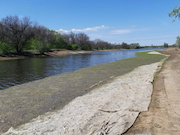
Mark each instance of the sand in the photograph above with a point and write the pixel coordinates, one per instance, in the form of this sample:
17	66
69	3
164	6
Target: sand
109	109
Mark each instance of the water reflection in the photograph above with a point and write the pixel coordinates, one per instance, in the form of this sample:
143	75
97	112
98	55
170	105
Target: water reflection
19	71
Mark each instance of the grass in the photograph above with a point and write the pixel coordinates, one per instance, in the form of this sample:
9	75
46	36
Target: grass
160	69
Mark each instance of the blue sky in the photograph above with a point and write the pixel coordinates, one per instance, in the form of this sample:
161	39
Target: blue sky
116	21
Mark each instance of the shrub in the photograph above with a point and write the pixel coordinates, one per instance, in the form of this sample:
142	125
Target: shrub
74	47
39	45
5	48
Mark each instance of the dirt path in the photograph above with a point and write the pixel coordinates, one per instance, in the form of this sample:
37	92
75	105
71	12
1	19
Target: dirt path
163	116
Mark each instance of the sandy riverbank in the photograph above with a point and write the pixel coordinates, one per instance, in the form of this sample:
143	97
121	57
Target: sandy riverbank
65	52
109	109
55	53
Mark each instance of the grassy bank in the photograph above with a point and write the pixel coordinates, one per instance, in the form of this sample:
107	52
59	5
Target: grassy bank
21	103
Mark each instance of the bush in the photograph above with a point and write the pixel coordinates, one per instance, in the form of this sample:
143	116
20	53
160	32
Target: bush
40	46
5	48
74	47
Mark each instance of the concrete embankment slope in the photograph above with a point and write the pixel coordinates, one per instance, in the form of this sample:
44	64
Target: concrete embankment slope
22	103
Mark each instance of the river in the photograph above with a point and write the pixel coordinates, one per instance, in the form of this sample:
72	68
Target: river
13	72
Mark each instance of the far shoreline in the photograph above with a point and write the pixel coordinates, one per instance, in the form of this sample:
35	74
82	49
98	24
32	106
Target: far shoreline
52	53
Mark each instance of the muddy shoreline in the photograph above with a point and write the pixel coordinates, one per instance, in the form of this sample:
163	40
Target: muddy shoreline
53	53
58	53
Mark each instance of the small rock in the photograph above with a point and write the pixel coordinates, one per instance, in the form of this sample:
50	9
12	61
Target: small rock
2	121
157	125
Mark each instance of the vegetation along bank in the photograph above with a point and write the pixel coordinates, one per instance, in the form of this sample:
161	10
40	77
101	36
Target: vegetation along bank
24	37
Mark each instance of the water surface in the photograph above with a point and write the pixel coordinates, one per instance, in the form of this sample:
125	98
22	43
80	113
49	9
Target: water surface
13	72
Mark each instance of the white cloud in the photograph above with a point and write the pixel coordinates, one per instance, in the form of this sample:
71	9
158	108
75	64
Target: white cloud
96	28
125	31
121	31
62	31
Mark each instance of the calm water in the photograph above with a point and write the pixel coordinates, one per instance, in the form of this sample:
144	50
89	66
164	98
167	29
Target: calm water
15	72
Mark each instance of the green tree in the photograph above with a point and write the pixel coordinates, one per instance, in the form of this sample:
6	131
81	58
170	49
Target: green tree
42	39
38	45
5	48
57	42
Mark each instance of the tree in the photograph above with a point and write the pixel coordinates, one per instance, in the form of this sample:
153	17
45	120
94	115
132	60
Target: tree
16	32
5	48
99	44
83	41
69	38
166	45
1	31
42	39
178	41
57	42
134	46
175	13
125	46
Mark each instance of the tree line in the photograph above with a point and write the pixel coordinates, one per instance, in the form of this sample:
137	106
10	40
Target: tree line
20	35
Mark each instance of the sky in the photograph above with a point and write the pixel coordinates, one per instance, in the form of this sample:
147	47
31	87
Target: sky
115	21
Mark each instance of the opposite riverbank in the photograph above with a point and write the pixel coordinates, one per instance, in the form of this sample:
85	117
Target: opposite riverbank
21	103
53	53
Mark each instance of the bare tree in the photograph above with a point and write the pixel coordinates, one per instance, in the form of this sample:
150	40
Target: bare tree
100	44
83	41
70	38
16	32
1	31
